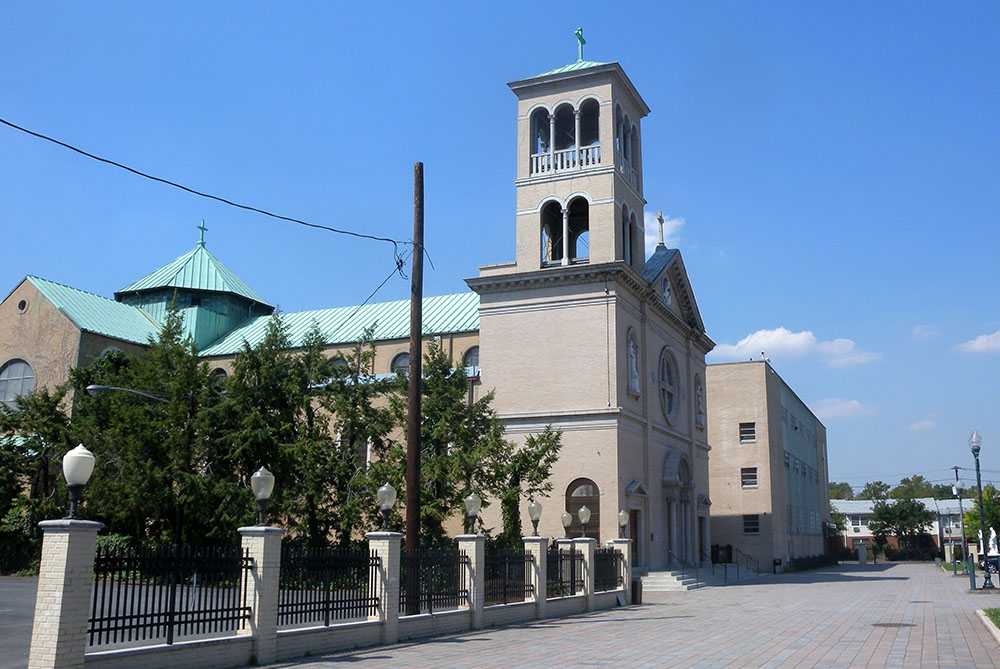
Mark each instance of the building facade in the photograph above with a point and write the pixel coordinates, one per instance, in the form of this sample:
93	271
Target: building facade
580	330
945	528
769	467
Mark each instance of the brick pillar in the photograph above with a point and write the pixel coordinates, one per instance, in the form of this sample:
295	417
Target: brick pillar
388	546
538	547
474	545
62	603
586	546
263	544
624	546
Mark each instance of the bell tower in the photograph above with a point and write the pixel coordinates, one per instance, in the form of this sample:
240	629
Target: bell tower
579	167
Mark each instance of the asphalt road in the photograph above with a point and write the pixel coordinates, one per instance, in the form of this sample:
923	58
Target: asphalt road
17	607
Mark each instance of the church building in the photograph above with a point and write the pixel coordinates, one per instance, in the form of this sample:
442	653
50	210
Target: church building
580	330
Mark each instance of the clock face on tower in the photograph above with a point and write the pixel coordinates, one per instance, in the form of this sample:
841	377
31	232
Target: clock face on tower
665	290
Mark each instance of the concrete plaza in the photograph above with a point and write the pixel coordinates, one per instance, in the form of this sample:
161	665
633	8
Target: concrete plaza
898	615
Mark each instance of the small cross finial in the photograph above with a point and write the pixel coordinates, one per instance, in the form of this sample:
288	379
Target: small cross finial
579	47
659	219
201	240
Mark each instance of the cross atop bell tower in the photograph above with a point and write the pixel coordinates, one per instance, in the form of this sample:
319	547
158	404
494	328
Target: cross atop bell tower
579	167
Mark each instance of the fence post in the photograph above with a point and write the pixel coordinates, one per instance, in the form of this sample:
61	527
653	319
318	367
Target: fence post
263	544
624	546
388	547
62	602
586	546
474	545
538	547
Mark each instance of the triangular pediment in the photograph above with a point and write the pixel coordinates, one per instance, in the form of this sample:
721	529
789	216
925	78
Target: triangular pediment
665	270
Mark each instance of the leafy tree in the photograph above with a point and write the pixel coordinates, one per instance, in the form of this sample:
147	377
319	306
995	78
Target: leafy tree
991	513
838	522
875	490
904	519
160	476
365	457
522	471
943	491
912	488
840	490
456	439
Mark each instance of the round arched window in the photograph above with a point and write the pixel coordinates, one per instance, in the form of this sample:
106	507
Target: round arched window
670	389
400	364
16	378
471	358
580	493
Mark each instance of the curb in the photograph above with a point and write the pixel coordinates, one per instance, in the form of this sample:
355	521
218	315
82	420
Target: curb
989	625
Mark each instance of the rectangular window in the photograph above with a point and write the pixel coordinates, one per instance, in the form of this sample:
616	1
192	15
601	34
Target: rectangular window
751	524
748	477
748	432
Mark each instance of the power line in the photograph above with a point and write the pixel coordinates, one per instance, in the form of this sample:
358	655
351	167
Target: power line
398	268
209	196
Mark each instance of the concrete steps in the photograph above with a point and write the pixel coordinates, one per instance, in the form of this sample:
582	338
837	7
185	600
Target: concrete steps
670	581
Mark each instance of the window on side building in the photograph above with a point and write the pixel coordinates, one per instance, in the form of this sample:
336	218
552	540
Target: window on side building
16	378
748	432
751	524
748	477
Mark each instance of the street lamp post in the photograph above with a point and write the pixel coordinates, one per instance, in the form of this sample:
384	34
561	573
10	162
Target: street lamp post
77	465
584	514
472	504
622	523
567	520
534	513
959	487
262	484
386	499
975	441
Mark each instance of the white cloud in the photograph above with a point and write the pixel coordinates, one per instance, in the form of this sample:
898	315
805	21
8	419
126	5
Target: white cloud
982	344
924	333
834	407
782	342
922	425
842	353
777	342
671	231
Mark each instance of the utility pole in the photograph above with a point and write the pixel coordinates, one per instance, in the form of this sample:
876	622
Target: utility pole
961	517
414	397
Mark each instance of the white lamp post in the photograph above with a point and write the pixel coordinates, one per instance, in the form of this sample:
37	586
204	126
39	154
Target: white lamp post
262	484
567	520
534	513
77	465
622	523
584	515
472	504
975	442
386	500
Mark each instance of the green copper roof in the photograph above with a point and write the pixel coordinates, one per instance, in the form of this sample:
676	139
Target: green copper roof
195	270
442	313
572	67
94	313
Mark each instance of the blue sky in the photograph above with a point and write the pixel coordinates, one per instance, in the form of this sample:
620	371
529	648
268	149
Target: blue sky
830	172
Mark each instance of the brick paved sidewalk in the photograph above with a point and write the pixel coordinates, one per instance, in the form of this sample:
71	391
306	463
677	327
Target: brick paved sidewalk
903	615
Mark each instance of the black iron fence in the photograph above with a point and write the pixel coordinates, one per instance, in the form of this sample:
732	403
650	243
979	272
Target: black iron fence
158	594
607	569
436	578
323	584
508	576
564	567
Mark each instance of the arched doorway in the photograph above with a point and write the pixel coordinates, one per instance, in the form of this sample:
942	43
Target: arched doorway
678	486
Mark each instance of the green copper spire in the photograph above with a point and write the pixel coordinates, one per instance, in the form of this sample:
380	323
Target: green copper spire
201	240
579	47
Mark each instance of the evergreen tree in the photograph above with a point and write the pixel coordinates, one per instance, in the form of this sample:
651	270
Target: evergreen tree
519	472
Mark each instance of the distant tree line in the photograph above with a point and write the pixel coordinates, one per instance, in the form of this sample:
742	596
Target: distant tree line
908	488
329	429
